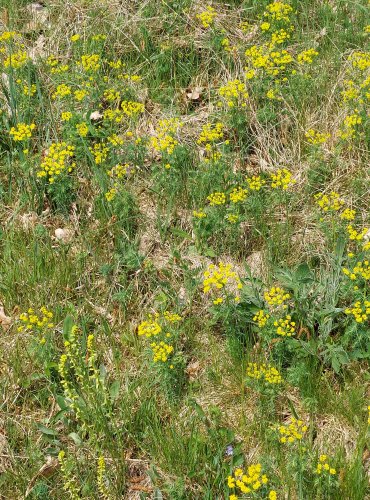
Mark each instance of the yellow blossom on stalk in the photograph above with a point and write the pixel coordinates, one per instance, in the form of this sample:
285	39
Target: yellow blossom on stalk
238	194
75	38
102	487
261	318
163	140
131	108
234	91
115	140
150	328
282	178
348	214
350	125
199	214
172	317
207	16
111	194
249	73
29	90
272	495
62	90
216	198
355	235
211	133
360	60
112	95
100	152
57	161
22	131
332	201
265	26
279	37
285	327
264	372
16	60
276	296
161	351
360	311
315	137
36	322
323	466
255	182
66	116
80	94
278	11
246	481
351	93
307	56
221	277
82	129
7	36
232	218
119	171
90	62
360	270
292	432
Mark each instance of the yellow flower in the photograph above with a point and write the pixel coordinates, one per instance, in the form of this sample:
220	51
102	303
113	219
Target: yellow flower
276	296
216	198
207	16
255	182
57	161
82	129
22	131
285	327
238	194
75	38
282	178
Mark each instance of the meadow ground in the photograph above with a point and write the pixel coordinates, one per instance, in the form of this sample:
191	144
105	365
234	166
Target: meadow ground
184	249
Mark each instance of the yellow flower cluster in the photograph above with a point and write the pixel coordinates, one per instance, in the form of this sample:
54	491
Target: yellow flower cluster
324	466
355	235
278	11
361	269
350	124
219	277
16	60
211	133
161	351
348	214
80	94
112	95
360	311
132	108
216	198
22	131
307	56
199	214
284	326
150	327
172	317
207	16
56	161
232	218
315	137
115	140
163	140
37	322
282	178
247	481
266	58
276	296
292	432
264	372
261	318
90	62
66	116
61	91
82	129
111	194
360	60
100	478
255	183
8	36
100	152
329	202
119	171
234	91
238	194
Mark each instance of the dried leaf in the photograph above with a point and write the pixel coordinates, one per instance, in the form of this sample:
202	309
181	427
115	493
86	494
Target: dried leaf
45	471
4	319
